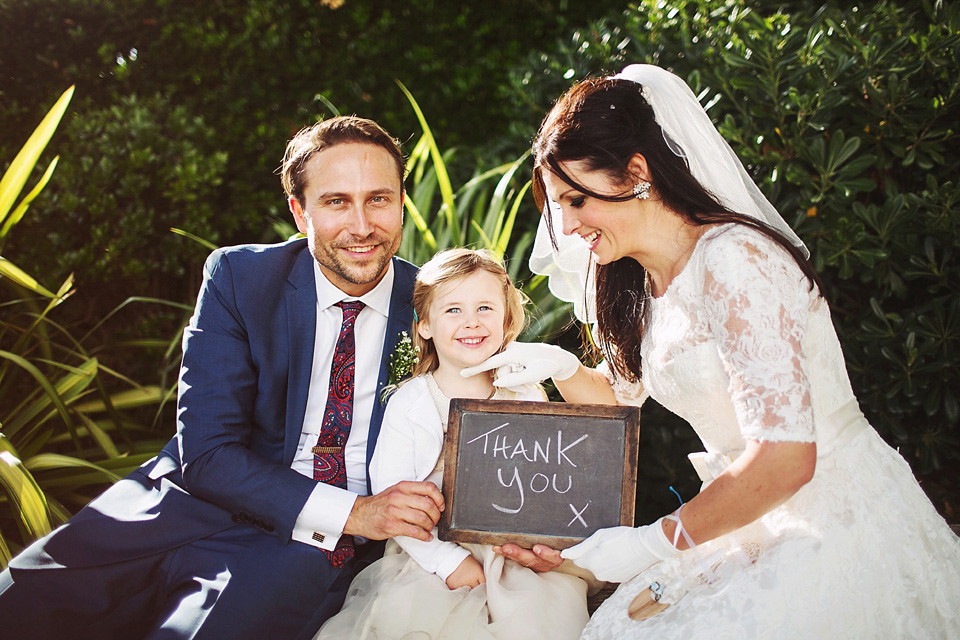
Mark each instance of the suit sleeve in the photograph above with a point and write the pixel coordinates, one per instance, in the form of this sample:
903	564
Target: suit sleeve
217	422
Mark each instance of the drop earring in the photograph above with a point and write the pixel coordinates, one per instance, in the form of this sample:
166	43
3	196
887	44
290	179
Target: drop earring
642	190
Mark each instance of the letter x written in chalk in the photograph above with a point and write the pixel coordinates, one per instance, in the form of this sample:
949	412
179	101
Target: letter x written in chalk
578	515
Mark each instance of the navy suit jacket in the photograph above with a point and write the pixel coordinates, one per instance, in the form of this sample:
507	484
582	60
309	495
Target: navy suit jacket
248	352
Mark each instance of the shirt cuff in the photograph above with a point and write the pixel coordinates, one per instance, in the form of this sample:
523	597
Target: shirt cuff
451	561
323	517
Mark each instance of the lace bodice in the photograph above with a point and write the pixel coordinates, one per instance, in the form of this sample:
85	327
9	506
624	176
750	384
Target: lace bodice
742	348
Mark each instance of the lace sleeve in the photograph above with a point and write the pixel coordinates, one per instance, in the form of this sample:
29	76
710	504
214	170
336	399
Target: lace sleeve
757	303
626	393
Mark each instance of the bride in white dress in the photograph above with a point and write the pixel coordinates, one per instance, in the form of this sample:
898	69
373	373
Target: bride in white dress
808	524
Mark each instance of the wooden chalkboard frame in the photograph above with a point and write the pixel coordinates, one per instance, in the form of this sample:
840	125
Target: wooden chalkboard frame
453	528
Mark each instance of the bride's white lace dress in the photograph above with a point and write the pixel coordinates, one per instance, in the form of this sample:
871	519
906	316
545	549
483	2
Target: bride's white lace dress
742	349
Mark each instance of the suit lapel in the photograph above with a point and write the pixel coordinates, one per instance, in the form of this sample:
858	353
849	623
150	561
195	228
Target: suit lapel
301	309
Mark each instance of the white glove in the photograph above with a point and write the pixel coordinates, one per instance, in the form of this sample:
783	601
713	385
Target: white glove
618	554
522	363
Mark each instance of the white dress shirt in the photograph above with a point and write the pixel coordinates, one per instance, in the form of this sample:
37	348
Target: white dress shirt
325	513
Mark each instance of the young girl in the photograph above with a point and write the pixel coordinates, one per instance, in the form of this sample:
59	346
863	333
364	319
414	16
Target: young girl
466	310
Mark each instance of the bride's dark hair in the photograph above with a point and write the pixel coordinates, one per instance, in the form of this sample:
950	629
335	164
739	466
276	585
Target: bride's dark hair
603	122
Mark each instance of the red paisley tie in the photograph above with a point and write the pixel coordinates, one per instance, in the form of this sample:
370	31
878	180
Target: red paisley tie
328	462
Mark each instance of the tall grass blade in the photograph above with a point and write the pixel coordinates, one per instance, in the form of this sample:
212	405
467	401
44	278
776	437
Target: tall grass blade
5	555
22	278
21	209
131	300
48	388
443	179
72	384
201	241
48	461
421	224
130	399
26	497
506	232
16	175
100	437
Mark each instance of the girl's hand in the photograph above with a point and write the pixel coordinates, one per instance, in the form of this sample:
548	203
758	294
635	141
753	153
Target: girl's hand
468	574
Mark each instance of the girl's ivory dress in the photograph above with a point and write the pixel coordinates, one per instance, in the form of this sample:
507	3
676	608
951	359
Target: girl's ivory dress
400	597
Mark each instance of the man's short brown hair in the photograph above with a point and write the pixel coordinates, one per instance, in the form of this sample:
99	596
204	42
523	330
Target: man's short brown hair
326	134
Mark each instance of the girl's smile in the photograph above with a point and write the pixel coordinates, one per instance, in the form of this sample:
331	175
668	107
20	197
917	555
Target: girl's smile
465	321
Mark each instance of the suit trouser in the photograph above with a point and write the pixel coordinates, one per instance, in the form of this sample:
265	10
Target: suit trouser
235	583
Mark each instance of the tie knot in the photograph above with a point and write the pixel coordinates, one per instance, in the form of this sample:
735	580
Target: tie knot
350	308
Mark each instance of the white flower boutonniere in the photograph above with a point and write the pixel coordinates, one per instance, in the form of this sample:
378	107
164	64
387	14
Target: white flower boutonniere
404	357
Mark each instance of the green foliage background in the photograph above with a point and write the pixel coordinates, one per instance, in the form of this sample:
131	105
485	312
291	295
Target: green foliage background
848	119
846	115
67	425
208	94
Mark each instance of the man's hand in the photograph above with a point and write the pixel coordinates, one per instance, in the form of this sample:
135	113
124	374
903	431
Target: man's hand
468	574
541	559
405	509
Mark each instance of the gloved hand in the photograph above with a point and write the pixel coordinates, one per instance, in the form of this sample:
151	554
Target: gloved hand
618	554
522	363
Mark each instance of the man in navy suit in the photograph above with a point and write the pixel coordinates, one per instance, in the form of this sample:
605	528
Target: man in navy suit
225	533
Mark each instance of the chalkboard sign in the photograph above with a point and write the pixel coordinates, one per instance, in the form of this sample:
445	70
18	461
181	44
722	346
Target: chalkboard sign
537	472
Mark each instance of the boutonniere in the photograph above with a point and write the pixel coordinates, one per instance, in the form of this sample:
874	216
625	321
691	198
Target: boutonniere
404	357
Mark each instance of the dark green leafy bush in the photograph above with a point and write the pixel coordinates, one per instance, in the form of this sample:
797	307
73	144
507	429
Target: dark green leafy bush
63	434
146	166
848	119
240	77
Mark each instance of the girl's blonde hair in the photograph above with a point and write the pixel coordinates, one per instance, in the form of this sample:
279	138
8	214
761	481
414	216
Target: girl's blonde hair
451	264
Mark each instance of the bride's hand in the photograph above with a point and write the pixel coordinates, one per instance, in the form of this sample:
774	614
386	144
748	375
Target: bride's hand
618	554
523	363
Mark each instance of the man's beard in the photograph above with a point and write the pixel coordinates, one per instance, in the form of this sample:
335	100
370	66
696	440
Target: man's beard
329	258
